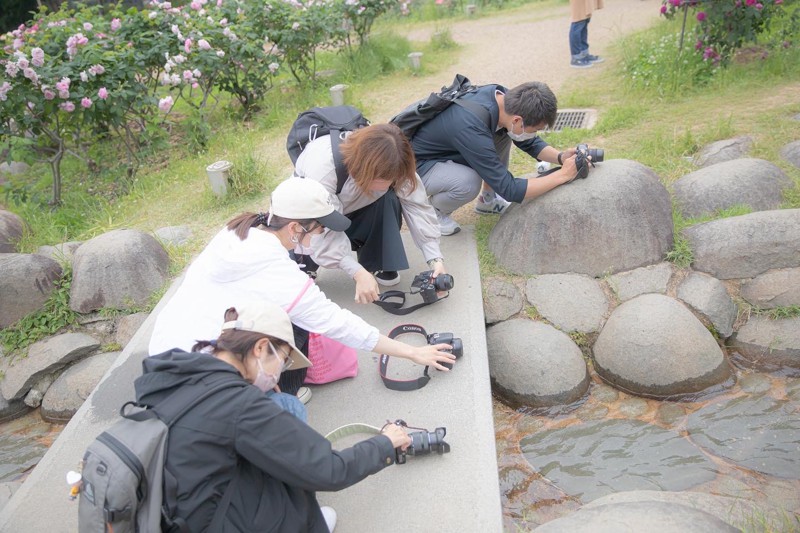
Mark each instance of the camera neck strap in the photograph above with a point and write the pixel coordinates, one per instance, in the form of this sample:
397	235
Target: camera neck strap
396	307
397	384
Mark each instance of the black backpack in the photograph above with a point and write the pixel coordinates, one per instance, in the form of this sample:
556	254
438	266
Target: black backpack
319	121
412	117
124	486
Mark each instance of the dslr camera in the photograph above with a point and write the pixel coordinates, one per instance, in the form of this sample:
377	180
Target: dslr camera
427	286
424	443
582	161
447	338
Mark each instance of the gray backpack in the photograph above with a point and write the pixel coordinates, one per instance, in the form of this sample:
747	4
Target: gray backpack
123	487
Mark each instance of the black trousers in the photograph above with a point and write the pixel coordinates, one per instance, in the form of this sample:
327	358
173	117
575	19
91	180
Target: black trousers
374	234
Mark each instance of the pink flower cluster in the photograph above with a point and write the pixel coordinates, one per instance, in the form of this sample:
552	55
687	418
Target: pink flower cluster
165	104
4	91
74	42
116	24
37	57
63	88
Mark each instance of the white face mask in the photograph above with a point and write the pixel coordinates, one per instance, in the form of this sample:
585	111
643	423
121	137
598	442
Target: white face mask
524	136
265	381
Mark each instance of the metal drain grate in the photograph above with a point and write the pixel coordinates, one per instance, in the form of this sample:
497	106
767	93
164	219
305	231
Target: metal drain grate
574	118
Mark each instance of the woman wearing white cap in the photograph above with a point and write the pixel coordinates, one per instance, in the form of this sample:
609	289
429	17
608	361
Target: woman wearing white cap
382	186
249	259
244	464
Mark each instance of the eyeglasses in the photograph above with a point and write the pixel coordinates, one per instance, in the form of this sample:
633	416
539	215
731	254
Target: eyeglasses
286	360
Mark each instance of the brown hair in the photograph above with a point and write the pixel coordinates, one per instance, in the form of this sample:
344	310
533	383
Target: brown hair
380	151
241	224
235	341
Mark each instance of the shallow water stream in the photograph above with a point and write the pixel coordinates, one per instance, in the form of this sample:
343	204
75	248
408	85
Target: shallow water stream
23	442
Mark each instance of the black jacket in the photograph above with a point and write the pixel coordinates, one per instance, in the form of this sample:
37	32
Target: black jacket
282	460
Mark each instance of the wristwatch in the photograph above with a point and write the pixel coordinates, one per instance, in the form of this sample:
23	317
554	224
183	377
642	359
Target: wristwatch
435	260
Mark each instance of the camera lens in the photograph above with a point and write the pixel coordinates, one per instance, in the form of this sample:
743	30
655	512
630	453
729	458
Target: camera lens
443	282
596	154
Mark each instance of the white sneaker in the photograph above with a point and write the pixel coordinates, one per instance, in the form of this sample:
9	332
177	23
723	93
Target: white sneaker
330	517
494	207
304	395
447	224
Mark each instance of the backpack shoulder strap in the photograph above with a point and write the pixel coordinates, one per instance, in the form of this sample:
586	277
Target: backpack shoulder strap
341	169
476	109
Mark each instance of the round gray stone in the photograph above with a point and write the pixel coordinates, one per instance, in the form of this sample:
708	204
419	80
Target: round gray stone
653	345
535	364
632	407
774	288
791	153
62	253
632	283
724	150
118	269
707	295
755	183
617	219
173	235
73	386
571	302
501	300
604	393
14	168
26	283
11	229
127	326
747	245
769	344
670	414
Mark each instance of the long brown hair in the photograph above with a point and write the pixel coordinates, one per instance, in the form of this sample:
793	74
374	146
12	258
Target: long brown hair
241	224
380	151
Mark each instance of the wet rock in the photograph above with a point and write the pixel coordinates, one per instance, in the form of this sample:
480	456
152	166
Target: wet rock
791	153
37	392
595	412
636	352
118	269
593	459
670	414
7	490
25	285
535	364
74	385
127	326
769	344
173	235
44	357
11	228
633	407
644	280
754	383
9	410
725	150
571	302
707	295
501	300
759	433
747	245
774	288
604	393
63	253
631	227
752	182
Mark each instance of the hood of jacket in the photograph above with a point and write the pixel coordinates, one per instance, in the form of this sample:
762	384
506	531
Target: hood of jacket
165	372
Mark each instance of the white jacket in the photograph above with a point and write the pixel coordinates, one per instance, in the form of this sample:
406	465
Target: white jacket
332	249
229	271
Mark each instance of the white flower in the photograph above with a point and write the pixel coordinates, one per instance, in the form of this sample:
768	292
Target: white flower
273	67
152	15
220	53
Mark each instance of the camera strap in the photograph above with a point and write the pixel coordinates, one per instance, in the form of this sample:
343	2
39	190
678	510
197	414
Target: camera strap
396	308
397	384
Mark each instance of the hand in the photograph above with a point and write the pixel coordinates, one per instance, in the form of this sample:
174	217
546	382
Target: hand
433	355
569	152
569	170
397	435
438	269
366	287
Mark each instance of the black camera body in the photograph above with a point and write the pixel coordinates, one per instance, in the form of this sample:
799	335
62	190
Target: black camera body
447	338
582	161
424	443
427	286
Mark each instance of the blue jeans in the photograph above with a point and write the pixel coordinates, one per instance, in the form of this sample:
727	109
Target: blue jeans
289	403
579	38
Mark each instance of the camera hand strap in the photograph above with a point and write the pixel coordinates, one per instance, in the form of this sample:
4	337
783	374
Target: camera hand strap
396	308
397	384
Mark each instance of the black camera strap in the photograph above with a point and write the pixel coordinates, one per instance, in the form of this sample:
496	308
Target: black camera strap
397	384
396	308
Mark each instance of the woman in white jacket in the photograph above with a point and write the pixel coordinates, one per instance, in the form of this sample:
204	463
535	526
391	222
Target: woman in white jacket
381	187
249	259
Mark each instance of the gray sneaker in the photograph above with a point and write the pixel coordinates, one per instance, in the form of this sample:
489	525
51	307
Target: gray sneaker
447	224
495	207
580	63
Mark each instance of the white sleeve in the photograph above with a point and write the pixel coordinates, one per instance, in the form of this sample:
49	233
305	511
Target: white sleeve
421	219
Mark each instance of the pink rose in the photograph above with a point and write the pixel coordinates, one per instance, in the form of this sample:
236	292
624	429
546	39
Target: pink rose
165	104
115	24
195	5
86	102
87	26
37	57
750	2
4	90
48	94
663	9
23	63
203	44
759	6
102	93
187	45
31	75
69	107
701	16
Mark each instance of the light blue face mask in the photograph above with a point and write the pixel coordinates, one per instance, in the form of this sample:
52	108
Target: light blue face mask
524	136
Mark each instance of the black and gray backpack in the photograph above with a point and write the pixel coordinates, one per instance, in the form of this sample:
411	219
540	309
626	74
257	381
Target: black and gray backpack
124	486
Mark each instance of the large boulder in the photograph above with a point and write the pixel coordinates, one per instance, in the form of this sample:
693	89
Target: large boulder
654	278
791	153
571	302
755	183
44	358
724	150
173	235
707	295
774	288
11	229
535	364
769	344
62	253
73	386
501	300
25	284
118	269
617	219
654	346
747	245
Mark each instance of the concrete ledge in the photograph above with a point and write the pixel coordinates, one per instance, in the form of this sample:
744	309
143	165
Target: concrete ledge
458	491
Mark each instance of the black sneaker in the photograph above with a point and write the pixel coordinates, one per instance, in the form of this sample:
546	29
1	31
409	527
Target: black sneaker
387	278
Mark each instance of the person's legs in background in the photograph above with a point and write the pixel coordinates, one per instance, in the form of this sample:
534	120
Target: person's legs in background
585	45
578	35
449	186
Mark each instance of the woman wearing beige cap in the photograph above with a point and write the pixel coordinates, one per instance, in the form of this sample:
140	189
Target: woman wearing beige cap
249	259
243	463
